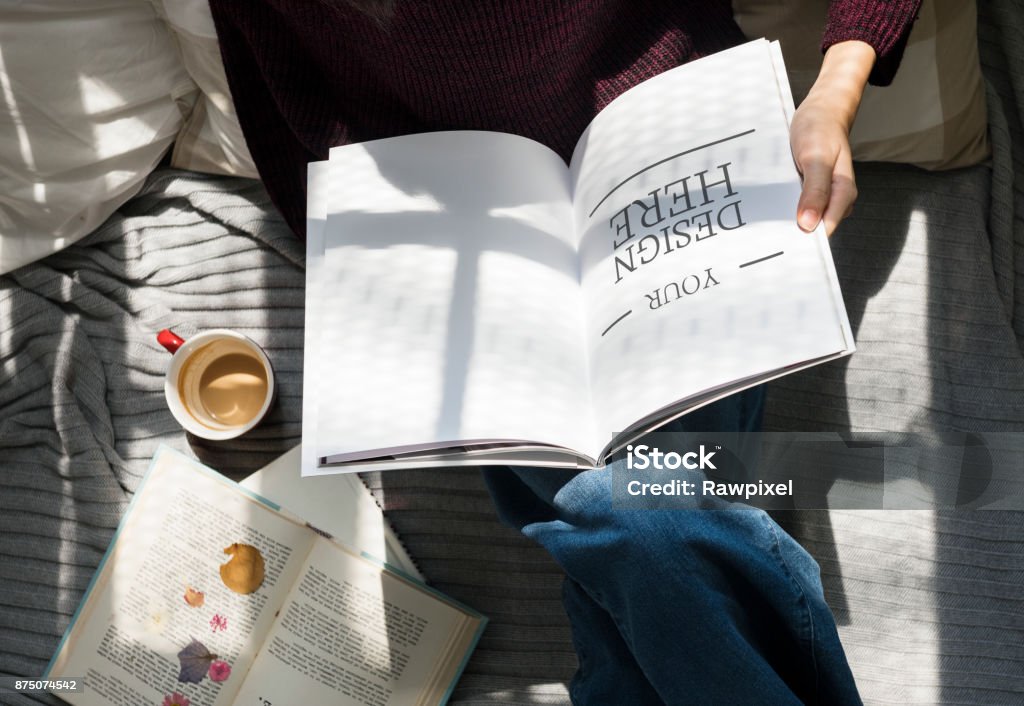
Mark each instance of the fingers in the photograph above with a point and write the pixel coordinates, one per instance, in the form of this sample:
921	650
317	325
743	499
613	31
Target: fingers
829	191
817	190
821	150
844	193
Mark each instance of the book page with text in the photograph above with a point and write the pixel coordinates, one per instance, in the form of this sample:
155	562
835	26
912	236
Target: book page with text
695	273
141	614
351	634
452	305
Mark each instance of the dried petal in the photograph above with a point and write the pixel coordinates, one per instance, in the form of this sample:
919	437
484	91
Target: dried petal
244	572
194	598
195	661
218	622
176	699
220	670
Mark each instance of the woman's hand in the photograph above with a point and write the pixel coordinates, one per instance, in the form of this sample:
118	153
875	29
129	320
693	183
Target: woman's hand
819	135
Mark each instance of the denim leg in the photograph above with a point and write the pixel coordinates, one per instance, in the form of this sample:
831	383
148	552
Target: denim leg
607	673
710	605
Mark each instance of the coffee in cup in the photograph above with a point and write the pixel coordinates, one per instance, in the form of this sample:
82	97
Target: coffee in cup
219	384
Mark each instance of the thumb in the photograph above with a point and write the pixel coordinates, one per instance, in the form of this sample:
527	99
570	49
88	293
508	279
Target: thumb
817	190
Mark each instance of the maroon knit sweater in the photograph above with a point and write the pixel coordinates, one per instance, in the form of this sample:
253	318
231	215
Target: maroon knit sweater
307	75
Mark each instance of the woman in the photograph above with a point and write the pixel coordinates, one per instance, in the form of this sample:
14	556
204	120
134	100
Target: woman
666	607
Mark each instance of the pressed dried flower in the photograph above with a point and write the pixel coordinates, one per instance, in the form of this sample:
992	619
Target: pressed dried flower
220	670
176	699
194	598
244	572
218	623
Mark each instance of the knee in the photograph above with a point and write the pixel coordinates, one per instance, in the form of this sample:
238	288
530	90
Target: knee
689	554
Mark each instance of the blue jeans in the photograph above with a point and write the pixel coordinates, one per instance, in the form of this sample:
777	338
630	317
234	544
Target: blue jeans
714	605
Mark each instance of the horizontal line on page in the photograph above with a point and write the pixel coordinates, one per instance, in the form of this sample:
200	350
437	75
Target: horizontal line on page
762	259
616	321
662	161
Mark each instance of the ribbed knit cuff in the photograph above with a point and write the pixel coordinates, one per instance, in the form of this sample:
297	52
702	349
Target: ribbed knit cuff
884	24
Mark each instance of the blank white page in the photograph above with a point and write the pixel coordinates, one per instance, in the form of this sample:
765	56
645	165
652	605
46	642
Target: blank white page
450	301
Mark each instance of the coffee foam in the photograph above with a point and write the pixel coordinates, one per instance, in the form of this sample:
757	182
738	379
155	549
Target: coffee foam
223	385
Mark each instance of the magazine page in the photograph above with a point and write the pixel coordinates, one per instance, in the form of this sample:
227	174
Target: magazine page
186	593
695	274
351	634
451	311
319	179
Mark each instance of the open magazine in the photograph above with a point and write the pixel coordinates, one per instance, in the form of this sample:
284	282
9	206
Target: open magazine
472	300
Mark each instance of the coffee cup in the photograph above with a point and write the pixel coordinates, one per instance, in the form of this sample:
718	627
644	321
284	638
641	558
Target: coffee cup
219	384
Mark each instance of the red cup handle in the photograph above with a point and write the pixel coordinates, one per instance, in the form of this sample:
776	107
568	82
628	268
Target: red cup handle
169	340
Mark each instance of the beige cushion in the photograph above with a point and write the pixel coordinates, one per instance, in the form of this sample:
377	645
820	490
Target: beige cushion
933	114
91	93
211	139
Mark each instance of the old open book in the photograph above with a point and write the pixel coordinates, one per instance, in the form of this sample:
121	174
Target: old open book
177	608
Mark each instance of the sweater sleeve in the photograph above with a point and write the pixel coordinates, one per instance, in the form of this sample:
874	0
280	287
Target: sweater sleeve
884	24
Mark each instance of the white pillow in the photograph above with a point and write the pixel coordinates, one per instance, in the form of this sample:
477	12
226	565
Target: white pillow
211	140
91	96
